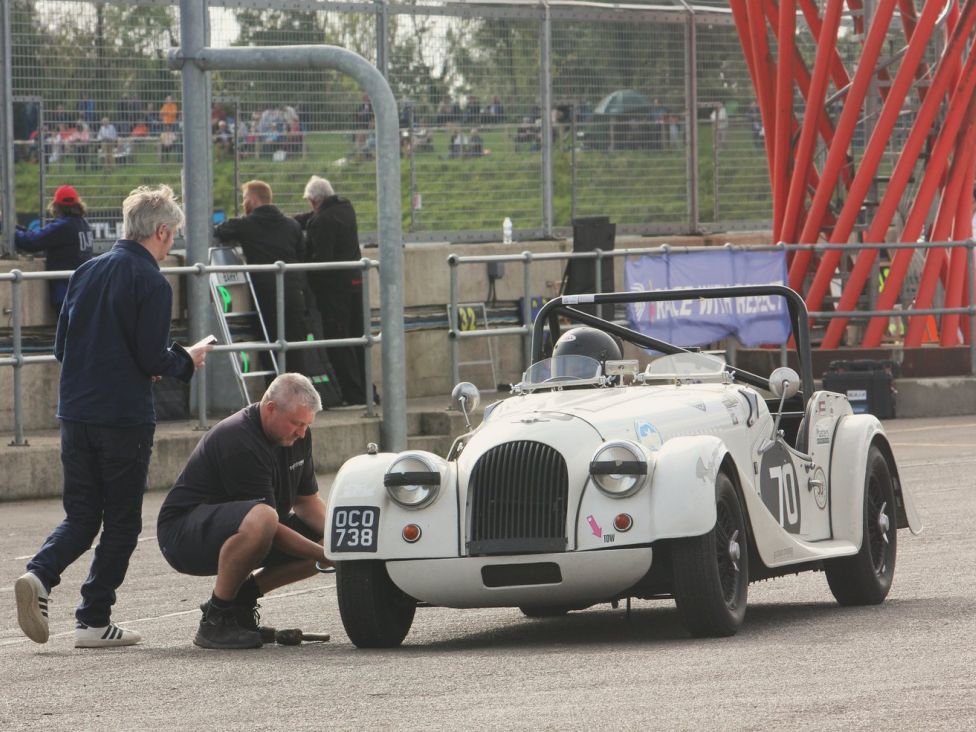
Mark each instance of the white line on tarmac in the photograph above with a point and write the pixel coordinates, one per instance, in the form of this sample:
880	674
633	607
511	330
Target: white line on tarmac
31	556
150	618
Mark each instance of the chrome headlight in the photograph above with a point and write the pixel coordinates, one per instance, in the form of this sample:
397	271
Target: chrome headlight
620	469
412	481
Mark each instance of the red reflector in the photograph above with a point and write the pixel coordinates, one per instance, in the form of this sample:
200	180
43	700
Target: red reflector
623	522
411	533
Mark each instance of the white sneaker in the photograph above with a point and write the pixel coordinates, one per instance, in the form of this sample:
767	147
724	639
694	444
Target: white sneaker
32	607
104	637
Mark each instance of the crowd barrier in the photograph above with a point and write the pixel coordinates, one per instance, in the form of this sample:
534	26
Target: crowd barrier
18	360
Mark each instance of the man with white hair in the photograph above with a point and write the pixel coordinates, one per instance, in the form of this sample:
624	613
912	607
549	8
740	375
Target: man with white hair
246	508
332	235
112	341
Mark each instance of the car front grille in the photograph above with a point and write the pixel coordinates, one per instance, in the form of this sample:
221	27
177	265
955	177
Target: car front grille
517	494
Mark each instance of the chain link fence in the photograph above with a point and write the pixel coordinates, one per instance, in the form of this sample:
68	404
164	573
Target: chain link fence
537	112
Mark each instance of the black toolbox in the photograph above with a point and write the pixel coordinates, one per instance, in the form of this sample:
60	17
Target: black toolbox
868	384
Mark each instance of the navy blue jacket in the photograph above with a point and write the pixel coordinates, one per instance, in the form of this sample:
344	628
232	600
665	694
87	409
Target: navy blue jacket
67	242
112	338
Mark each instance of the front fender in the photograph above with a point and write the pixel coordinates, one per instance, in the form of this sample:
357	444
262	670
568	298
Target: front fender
683	488
360	483
848	466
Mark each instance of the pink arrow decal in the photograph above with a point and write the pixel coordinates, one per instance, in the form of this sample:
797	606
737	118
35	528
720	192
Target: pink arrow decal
597	531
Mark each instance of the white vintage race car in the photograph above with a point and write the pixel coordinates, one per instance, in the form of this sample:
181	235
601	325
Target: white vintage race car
596	481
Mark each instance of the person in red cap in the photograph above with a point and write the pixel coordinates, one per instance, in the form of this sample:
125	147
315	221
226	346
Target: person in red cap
66	241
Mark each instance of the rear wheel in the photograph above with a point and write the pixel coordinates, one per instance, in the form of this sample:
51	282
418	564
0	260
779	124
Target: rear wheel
711	572
865	578
374	611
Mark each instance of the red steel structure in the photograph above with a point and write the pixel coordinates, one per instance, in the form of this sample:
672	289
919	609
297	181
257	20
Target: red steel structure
940	148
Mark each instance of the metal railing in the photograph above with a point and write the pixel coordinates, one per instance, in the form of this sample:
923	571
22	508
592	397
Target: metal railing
455	334
18	360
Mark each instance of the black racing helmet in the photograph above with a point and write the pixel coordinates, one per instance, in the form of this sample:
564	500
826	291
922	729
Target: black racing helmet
587	341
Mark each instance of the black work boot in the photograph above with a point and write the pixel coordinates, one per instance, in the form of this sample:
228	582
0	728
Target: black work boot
248	618
219	629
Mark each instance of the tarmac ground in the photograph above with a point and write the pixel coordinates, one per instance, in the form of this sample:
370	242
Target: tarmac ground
799	662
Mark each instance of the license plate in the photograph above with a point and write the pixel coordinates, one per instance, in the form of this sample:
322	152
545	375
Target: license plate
354	528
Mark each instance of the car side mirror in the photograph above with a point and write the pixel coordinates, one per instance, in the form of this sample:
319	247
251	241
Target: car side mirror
784	382
466	397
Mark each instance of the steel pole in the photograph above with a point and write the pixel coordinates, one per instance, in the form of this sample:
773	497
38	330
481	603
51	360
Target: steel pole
545	94
16	316
197	191
368	332
691	112
390	231
41	159
8	206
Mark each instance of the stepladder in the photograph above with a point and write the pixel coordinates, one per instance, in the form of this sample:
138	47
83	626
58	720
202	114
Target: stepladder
239	320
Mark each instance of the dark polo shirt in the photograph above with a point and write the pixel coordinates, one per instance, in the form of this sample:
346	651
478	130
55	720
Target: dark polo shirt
235	461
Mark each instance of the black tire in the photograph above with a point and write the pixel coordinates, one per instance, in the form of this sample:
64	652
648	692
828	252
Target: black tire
711	572
543	611
865	578
374	611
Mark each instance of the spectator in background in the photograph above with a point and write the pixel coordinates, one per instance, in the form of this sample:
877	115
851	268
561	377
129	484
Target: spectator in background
168	113
458	143
476	146
86	108
266	235
60	116
294	136
109	137
151	118
495	112
755	119
333	236
720	118
472	110
112	341
80	143
443	115
66	241
223	140
122	115
364	114
167	145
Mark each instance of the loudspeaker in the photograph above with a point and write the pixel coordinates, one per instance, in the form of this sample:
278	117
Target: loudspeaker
589	234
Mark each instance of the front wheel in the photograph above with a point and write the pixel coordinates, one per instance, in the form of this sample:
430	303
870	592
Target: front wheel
374	611
865	578
711	572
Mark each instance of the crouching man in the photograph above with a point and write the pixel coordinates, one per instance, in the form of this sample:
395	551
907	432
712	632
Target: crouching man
246	509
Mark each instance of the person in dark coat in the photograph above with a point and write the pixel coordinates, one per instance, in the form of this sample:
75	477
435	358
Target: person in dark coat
333	236
112	341
66	241
266	236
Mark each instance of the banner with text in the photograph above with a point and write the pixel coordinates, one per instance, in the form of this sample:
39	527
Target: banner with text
753	320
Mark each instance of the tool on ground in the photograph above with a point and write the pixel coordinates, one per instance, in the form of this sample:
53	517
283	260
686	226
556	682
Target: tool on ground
290	636
295	636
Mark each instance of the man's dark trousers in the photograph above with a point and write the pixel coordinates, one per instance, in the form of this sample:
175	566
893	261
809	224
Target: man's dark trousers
105	471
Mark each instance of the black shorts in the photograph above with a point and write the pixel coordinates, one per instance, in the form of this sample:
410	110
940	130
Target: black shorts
191	543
